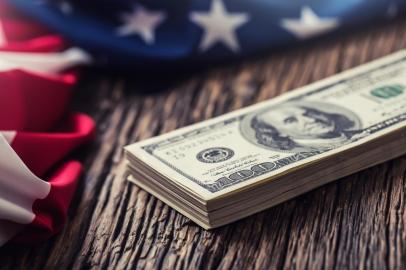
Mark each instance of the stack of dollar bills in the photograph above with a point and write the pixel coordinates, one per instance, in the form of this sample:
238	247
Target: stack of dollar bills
232	166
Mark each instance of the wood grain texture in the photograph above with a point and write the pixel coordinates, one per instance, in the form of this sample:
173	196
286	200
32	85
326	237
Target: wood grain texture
357	222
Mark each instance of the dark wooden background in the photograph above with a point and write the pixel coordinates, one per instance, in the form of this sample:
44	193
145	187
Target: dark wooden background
356	222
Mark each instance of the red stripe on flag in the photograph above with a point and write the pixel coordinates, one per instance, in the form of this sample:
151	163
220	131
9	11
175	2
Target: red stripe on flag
40	151
51	212
31	102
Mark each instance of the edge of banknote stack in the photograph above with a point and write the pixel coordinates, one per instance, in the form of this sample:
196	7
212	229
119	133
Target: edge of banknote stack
213	207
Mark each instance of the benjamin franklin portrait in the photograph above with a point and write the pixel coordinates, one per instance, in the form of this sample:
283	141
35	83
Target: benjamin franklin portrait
297	127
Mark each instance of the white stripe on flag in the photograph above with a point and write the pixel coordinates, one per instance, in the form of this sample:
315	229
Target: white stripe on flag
43	63
9	135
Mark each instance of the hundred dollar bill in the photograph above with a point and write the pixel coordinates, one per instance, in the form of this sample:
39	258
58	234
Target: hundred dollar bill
257	143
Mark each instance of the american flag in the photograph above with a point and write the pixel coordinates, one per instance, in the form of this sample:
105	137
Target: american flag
158	34
37	131
38	69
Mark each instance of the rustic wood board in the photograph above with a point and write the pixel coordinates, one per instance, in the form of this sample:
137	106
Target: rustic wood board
356	222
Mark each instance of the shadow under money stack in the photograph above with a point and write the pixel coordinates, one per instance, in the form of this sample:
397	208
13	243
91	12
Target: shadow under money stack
232	166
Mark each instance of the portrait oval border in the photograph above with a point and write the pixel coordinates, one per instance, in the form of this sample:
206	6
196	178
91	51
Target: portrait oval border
249	133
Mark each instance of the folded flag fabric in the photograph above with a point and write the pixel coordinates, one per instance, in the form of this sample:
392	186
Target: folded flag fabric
37	132
159	34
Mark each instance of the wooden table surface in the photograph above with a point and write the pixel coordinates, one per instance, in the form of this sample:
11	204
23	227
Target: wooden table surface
356	222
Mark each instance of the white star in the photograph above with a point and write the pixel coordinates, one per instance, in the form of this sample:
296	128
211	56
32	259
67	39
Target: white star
65	7
392	11
39	2
309	24
219	26
141	22
3	40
